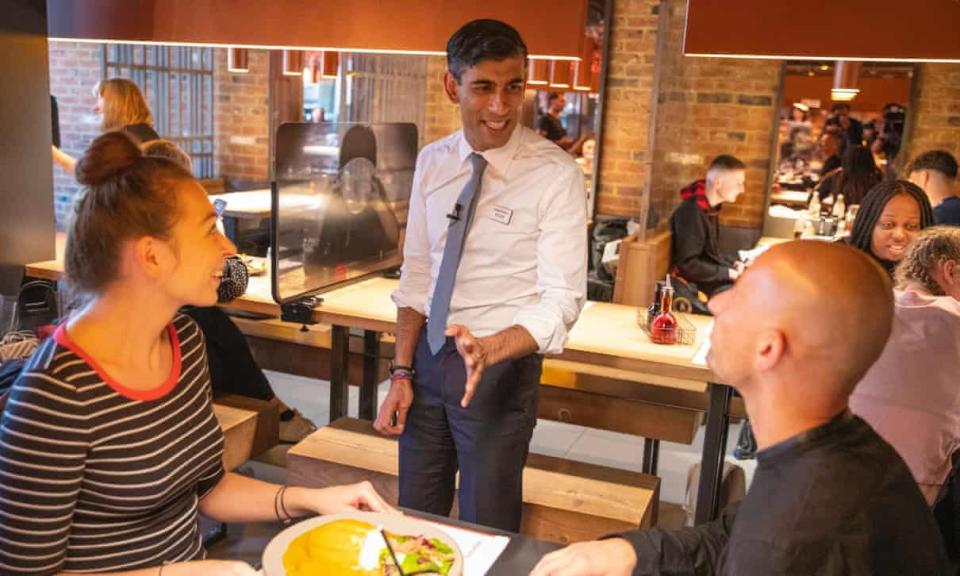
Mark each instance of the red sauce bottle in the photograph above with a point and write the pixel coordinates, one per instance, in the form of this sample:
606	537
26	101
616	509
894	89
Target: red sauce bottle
663	329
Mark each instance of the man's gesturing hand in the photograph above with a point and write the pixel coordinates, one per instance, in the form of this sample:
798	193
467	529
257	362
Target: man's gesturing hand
474	358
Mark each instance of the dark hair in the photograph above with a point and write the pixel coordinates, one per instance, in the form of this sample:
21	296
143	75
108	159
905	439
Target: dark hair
859	174
161	148
482	40
873	204
937	160
726	162
839	106
552	96
126	195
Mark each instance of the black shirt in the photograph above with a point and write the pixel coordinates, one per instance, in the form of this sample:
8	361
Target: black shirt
551	127
694	249
829	165
834	500
948	212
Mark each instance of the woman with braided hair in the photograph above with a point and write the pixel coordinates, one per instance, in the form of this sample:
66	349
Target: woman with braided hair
910	395
891	216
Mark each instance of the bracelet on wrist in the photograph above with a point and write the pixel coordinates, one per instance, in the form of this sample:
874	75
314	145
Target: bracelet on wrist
401	375
400	369
289	517
278	505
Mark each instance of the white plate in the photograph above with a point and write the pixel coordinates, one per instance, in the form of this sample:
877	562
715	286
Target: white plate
273	554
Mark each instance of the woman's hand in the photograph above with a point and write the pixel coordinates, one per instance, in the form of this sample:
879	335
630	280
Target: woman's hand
347	498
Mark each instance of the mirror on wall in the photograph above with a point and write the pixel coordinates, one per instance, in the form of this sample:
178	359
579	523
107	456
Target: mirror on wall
564	101
841	129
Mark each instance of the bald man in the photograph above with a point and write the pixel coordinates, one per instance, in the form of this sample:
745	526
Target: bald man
794	336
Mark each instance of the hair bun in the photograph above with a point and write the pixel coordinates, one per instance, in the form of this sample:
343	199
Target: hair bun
108	156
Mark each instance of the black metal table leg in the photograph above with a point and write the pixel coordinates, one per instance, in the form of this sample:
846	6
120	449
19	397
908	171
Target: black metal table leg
339	390
368	386
714	449
651	455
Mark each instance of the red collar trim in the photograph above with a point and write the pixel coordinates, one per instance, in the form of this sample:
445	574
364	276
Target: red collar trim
64	340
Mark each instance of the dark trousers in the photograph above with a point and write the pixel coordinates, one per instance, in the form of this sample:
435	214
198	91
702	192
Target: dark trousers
488	441
232	367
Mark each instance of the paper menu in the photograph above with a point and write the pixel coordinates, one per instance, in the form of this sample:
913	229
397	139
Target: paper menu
700	358
479	550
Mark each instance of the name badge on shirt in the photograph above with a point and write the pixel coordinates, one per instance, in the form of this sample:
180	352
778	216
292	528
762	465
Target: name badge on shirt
501	214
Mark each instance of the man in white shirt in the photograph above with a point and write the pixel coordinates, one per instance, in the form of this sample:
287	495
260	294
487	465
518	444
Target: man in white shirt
494	275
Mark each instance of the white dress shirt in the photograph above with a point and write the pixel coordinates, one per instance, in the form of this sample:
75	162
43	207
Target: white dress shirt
525	255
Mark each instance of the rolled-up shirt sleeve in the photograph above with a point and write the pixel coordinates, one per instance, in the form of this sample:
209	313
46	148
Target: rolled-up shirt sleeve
561	264
415	271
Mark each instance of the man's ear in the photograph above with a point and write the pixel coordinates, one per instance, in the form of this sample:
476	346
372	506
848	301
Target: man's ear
771	347
450	87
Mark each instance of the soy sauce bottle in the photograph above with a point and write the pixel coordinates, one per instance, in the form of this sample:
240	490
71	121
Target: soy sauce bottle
663	328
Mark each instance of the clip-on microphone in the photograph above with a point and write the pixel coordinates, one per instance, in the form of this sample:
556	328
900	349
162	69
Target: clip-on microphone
455	215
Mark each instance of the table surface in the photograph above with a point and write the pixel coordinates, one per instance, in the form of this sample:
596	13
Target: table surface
605	334
520	556
255	204
790	197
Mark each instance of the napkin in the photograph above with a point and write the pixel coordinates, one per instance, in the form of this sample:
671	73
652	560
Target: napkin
700	358
479	550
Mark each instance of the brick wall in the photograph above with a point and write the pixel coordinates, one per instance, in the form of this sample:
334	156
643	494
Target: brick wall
441	116
625	150
707	107
241	116
937	111
241	120
75	68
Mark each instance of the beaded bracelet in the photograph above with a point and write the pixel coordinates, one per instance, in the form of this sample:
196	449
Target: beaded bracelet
400	374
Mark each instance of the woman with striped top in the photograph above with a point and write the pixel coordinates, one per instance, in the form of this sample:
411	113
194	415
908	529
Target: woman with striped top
109	447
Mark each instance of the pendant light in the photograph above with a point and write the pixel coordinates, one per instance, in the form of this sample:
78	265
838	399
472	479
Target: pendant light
238	60
538	72
292	63
560	74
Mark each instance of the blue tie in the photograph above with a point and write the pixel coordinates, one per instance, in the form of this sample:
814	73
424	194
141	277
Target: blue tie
456	232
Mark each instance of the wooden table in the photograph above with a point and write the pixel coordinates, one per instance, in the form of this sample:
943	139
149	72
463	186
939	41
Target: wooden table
256	205
605	341
791	198
521	555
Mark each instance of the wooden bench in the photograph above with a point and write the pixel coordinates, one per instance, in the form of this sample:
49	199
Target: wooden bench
642	263
253	436
239	428
285	347
595	397
564	501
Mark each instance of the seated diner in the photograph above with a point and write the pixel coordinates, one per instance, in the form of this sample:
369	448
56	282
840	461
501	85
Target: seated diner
109	444
910	395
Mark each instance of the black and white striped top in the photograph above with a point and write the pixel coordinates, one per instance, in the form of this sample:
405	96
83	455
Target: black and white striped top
98	477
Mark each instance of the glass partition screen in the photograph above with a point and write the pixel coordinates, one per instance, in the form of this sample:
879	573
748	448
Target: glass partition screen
340	200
